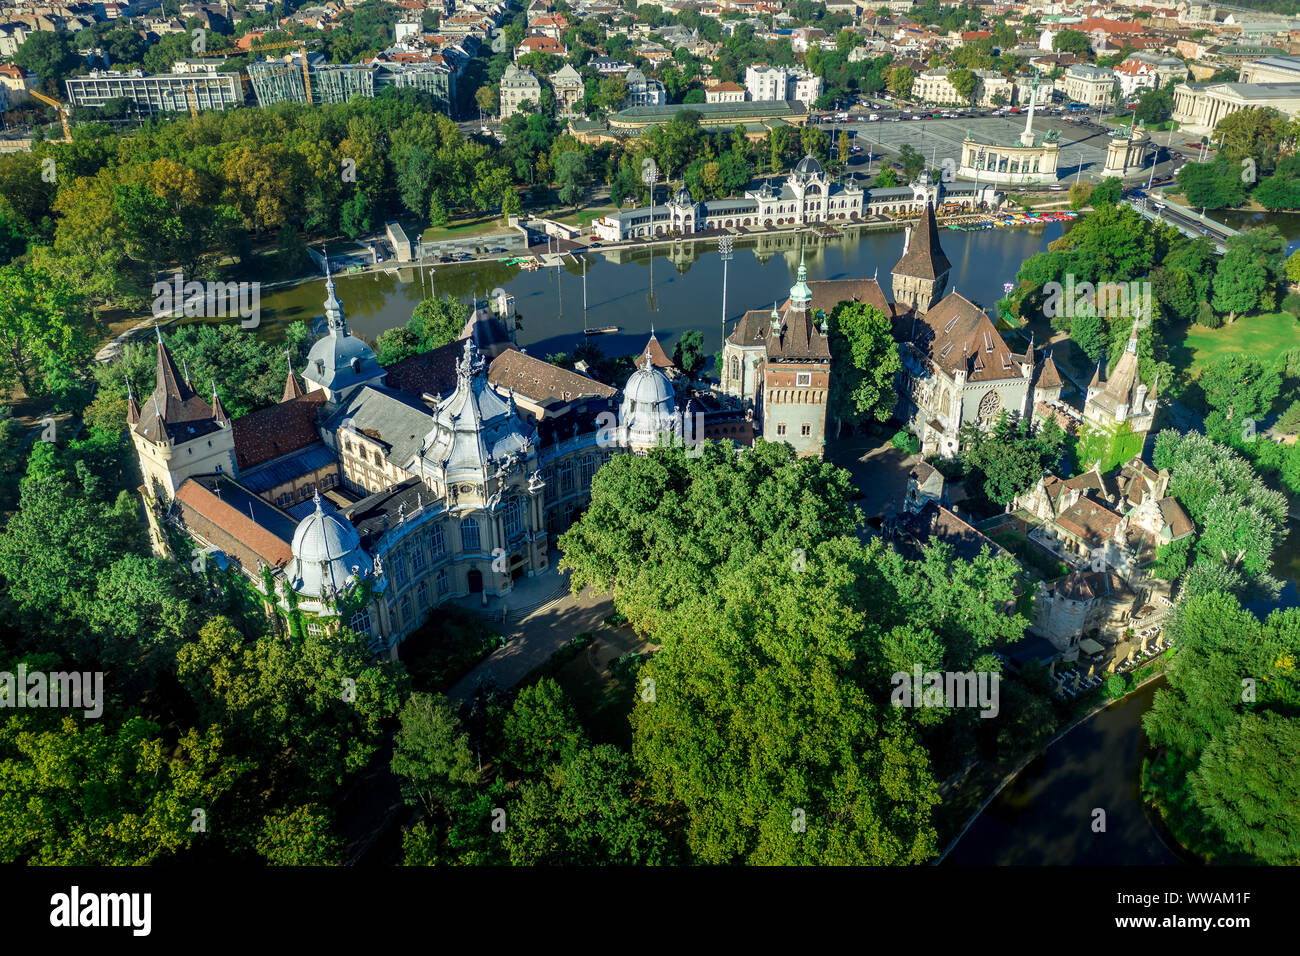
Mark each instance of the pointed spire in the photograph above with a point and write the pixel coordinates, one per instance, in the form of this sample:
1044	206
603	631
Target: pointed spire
185	370
132	406
333	307
171	391
1029	353
218	410
292	388
1096	377
923	258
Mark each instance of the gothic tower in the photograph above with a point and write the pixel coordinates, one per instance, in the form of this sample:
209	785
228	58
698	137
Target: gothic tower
177	434
922	273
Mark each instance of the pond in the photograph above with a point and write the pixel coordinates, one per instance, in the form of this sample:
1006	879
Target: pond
669	288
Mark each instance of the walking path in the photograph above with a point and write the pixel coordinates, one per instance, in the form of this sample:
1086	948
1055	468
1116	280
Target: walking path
533	633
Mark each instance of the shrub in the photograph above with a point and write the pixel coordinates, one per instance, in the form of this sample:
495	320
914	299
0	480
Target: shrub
1116	686
1292	304
905	441
1207	317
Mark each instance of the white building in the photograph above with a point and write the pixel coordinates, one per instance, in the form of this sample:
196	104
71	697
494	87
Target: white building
763	82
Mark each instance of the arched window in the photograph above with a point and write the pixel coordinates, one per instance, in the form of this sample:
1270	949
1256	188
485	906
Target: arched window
422	595
437	544
360	623
441	582
514	517
469	535
566	477
735	367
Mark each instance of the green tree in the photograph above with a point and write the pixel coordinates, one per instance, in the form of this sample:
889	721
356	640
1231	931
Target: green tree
688	352
541	728
300	837
1010	456
864	358
431	752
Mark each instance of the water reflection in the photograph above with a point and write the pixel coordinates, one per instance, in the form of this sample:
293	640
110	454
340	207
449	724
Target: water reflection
685	280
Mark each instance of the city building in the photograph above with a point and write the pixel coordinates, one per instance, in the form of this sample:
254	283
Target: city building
1032	159
1146	71
724	93
763	82
518	85
569	90
1198	107
643	90
160	93
287	81
1087	84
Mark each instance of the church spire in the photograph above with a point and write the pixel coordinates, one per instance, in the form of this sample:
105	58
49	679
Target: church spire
800	293
924	257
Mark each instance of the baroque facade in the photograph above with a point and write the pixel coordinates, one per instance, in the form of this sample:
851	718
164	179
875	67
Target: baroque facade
375	494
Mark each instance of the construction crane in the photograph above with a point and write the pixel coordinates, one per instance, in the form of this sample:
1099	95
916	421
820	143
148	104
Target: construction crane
62	109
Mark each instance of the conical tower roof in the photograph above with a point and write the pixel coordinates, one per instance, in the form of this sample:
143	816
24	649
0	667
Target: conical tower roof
292	387
924	257
175	412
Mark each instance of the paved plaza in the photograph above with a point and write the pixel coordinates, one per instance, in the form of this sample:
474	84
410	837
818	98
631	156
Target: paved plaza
940	139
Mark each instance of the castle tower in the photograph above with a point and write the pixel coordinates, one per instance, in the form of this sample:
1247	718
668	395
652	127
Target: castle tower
177	434
921	275
340	363
796	373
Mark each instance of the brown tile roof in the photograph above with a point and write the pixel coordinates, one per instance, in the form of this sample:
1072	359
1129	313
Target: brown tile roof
828	293
432	372
657	356
1047	375
271	432
924	257
541	381
957	334
1089	521
1087	585
204	513
799	338
935	522
751	330
1179	524
173	410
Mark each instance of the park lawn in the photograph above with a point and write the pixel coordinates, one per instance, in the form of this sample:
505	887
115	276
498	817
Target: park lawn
466	229
583	217
1265	337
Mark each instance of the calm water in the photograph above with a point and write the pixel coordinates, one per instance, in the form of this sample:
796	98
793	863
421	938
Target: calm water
1288	223
686	282
1045	816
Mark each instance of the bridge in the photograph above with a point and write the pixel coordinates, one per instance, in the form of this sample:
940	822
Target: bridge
1190	223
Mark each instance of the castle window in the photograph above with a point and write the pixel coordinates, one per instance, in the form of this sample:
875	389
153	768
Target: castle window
379	461
805	429
360	623
469	535
566	477
422	595
587	471
314	629
400	573
780	428
803	379
406	610
441	582
417	557
514	517
735	367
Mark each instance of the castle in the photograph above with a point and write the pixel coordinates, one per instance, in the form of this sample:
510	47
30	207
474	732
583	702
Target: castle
956	366
369	495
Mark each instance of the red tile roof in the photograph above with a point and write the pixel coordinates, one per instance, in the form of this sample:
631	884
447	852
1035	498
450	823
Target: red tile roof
271	432
205	514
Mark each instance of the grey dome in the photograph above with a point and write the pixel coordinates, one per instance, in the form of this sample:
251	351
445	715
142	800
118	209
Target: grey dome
327	555
340	360
649	406
683	197
808	166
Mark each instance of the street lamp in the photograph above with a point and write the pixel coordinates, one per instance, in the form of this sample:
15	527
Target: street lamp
725	246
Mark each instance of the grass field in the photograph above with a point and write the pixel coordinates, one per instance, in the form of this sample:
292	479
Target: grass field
466	229
585	215
1263	337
